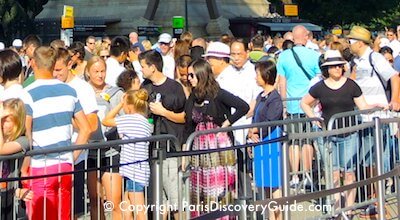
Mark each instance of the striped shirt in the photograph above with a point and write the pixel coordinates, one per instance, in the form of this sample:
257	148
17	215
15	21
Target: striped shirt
52	105
133	126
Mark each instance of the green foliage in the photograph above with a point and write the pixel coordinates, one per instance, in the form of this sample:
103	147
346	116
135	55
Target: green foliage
16	16
390	18
371	13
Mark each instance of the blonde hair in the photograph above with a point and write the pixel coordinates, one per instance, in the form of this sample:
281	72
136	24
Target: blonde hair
146	44
17	112
45	58
138	98
91	61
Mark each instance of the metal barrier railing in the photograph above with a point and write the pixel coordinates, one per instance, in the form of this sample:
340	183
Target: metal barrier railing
258	195
98	169
247	188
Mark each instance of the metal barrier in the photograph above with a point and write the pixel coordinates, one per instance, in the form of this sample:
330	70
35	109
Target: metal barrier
246	186
366	163
14	211
246	190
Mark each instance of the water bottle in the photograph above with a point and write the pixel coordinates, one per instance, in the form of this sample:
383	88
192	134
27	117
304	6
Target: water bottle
151	121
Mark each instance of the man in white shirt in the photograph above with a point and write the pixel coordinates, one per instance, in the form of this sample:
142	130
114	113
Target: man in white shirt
164	42
115	63
394	43
87	98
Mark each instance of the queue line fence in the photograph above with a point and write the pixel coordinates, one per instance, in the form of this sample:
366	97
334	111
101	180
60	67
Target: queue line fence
249	185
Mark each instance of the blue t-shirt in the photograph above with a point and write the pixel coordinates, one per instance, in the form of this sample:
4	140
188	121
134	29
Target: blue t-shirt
297	83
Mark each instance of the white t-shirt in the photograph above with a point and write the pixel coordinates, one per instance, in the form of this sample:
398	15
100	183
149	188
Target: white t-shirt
87	98
114	69
395	45
168	66
138	69
15	91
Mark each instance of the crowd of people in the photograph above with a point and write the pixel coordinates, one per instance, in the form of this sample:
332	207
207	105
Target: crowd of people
121	88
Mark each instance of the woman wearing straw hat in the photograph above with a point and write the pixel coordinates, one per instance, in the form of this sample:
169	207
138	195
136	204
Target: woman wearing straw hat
337	94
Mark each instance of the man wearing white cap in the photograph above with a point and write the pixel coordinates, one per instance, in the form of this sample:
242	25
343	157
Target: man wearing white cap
164	42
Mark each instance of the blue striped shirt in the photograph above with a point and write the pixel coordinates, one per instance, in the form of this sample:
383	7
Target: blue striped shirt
52	105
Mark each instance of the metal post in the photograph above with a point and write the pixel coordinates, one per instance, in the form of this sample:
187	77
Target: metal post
330	199
157	182
397	181
186	16
285	177
379	167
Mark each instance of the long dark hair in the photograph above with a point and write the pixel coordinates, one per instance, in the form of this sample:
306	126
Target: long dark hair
206	87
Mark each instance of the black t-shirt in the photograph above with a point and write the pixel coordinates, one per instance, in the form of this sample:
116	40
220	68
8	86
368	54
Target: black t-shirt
173	99
334	101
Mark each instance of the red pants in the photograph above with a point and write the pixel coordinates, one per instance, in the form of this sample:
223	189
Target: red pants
52	195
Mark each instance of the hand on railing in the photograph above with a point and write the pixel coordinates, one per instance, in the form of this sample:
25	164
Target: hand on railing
394	106
24	194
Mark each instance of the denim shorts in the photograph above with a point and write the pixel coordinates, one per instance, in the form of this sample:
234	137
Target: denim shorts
132	186
344	151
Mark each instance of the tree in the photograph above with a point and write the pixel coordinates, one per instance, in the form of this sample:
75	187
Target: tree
344	12
390	18
17	16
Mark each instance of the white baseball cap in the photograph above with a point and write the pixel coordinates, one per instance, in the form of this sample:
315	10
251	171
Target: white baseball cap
2	46
165	38
218	49
17	43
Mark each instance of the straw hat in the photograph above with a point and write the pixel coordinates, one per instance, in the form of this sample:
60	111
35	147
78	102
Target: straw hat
360	33
333	58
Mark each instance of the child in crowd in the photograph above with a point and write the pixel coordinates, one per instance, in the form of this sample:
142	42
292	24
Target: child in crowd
133	124
12	114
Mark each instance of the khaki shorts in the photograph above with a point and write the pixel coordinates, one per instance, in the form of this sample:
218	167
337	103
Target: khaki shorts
170	182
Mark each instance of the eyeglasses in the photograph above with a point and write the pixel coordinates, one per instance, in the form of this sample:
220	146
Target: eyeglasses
105	57
91	42
191	75
165	44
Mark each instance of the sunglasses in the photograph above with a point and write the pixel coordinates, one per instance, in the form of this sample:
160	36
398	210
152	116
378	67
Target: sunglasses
191	75
336	66
105	57
352	41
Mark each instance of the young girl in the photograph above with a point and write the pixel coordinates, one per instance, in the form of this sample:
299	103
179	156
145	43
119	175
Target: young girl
133	124
12	114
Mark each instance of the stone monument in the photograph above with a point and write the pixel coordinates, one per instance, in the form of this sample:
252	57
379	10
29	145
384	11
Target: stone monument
205	17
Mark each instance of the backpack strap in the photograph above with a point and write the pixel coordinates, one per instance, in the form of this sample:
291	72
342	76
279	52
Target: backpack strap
298	61
374	70
386	87
111	91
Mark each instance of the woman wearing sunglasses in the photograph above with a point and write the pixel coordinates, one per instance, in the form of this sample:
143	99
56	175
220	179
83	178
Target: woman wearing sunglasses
338	94
209	107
